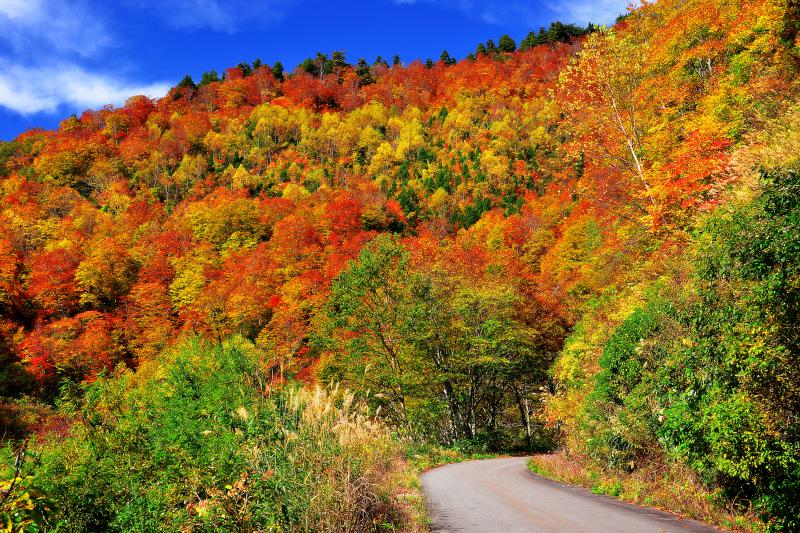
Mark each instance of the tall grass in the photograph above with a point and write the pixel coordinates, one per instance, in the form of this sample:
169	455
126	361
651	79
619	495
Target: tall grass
199	443
347	462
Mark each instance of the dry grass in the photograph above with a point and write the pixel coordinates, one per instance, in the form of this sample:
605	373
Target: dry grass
364	484
334	468
669	487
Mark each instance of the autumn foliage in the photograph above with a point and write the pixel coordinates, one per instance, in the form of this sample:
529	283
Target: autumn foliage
561	173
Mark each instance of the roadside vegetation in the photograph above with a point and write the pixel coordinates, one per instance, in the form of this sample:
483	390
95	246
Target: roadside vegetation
197	442
663	484
696	385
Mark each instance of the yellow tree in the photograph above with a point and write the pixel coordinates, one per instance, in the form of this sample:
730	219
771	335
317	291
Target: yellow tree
599	93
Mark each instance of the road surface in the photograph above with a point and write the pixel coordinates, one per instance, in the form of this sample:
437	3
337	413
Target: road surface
502	495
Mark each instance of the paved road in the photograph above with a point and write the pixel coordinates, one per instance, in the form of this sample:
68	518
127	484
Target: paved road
502	495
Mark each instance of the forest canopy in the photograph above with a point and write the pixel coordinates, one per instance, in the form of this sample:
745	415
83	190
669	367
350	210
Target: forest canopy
586	240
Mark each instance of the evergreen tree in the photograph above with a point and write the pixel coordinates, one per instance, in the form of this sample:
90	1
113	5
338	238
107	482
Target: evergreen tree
528	42
364	73
446	59
507	44
245	69
308	66
338	59
558	32
209	77
186	83
277	70
338	64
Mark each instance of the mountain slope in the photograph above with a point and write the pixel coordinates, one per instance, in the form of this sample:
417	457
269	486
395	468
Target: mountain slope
484	227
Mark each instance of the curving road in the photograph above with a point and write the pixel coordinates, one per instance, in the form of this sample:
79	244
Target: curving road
502	495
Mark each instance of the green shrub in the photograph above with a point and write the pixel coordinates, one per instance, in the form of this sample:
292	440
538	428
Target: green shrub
710	373
618	416
202	445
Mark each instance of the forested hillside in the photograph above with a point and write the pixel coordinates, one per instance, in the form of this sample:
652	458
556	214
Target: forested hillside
589	241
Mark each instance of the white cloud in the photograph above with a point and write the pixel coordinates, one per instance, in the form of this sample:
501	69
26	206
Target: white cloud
18	9
50	44
490	11
503	11
596	11
219	15
64	27
28	90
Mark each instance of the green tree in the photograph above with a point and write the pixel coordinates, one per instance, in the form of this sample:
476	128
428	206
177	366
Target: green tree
506	44
367	321
245	69
209	77
186	83
446	59
277	70
485	358
318	66
364	73
448	359
339	60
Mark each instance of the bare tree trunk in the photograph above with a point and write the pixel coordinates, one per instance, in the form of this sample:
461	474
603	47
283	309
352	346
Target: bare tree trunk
524	415
631	139
455	411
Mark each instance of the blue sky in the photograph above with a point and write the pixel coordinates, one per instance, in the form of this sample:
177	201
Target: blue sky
63	56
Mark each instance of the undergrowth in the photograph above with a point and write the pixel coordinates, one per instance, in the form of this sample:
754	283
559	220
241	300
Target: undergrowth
669	487
201	443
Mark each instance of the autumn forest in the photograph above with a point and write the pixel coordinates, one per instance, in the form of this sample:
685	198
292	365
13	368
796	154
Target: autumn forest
583	245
